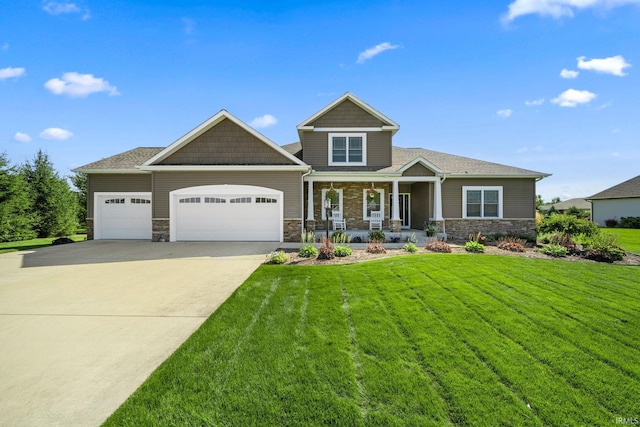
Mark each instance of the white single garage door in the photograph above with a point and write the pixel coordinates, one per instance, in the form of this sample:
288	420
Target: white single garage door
226	213
122	216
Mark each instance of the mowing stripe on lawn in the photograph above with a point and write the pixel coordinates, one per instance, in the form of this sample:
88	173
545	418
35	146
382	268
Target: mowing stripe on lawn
593	340
397	389
458	369
611	389
549	393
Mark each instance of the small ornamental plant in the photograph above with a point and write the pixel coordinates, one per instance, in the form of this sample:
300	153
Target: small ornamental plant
326	250
342	251
554	250
278	257
512	244
376	249
438	247
410	247
473	246
308	251
376	236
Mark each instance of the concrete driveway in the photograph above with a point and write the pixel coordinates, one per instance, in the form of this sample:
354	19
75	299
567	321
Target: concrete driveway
83	325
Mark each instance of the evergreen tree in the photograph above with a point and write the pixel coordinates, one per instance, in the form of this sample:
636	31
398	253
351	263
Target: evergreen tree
15	217
79	181
53	203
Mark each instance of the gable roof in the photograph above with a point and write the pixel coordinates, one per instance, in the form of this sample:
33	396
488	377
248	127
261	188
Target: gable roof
629	188
210	123
126	162
389	124
563	206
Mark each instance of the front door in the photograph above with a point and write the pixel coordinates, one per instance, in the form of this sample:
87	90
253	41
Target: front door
405	209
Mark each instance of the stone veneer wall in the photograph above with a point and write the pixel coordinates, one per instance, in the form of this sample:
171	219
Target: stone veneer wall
460	229
89	228
160	230
292	230
351	203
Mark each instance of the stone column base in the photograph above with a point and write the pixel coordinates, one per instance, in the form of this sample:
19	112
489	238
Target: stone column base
292	230
160	230
310	225
395	225
89	228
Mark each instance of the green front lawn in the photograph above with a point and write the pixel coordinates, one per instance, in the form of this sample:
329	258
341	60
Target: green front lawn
628	238
414	340
24	245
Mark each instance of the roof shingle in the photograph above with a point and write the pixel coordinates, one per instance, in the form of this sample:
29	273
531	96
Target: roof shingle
629	188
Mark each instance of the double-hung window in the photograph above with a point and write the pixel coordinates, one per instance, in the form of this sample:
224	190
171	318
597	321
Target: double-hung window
347	149
482	202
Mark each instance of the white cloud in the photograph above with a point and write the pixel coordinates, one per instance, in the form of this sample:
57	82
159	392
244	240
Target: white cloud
264	121
504	113
572	97
55	8
558	8
56	133
21	137
535	102
376	50
80	85
5	46
8	72
569	74
614	65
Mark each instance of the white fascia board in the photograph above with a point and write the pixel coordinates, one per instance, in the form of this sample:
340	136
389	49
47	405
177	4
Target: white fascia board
393	126
195	168
467	175
110	171
367	177
424	162
210	123
363	129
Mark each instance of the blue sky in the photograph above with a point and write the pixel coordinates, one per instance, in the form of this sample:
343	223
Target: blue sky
548	85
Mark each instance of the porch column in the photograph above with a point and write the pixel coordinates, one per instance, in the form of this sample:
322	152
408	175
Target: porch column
310	216
437	200
395	215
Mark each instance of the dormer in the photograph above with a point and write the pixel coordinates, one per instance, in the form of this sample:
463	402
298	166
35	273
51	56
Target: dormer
347	134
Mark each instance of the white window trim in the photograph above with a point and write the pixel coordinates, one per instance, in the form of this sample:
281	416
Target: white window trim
364	203
324	196
465	189
347	135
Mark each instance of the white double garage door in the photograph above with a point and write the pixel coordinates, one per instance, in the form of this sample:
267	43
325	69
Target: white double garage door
204	213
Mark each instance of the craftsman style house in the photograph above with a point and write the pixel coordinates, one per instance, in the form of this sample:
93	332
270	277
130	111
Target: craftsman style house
225	181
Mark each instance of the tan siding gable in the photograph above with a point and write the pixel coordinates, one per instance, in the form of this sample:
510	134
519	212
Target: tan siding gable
316	150
347	114
226	144
418	170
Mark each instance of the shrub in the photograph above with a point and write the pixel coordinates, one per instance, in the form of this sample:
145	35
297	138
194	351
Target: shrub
630	222
566	241
510	243
478	238
376	236
410	247
602	247
308	251
567	224
308	237
473	246
438	247
340	237
376	249
554	250
611	223
342	251
356	239
278	257
326	250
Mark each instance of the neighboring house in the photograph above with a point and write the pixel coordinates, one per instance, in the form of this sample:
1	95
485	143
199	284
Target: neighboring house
622	200
561	207
225	181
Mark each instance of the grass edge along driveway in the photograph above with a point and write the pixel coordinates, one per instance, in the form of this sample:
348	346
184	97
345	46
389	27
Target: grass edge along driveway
414	340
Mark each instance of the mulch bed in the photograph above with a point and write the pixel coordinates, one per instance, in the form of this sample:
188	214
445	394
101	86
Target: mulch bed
360	255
